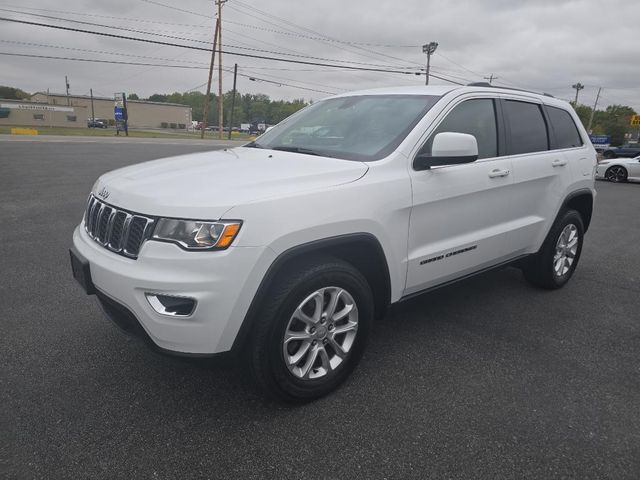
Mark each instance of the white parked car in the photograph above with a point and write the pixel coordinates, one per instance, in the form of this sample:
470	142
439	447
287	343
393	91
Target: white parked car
619	169
285	250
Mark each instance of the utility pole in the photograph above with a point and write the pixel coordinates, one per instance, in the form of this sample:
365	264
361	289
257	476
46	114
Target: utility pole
220	98
233	99
593	111
577	86
205	109
125	114
93	115
429	49
66	82
491	78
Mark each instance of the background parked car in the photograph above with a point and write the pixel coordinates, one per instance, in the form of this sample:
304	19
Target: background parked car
619	169
97	123
627	150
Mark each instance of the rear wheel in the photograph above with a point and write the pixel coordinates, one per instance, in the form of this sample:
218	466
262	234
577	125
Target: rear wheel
554	264
312	330
616	174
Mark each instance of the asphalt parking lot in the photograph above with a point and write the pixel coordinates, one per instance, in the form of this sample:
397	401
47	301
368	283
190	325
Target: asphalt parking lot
489	378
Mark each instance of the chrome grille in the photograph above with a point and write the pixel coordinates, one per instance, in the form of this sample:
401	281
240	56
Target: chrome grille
118	230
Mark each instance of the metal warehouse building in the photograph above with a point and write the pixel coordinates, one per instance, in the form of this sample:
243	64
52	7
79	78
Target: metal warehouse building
24	113
141	114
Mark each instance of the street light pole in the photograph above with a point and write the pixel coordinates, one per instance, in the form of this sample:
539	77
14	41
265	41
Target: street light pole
577	86
429	49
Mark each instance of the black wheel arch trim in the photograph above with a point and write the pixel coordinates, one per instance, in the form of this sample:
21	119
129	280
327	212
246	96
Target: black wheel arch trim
306	248
575	194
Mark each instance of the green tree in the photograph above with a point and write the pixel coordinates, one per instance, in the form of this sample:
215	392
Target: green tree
11	93
613	121
133	96
157	97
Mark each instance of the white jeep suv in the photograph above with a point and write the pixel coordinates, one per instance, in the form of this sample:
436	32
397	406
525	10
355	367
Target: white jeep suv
288	248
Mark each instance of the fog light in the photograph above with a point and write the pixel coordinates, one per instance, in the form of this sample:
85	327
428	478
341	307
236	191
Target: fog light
170	305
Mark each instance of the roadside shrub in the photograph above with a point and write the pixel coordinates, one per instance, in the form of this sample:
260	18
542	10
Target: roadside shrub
172	125
182	126
164	125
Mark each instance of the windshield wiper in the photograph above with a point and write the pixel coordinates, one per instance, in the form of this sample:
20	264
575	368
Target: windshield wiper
253	145
306	151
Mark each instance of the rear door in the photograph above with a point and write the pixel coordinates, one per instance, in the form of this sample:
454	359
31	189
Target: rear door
540	174
459	219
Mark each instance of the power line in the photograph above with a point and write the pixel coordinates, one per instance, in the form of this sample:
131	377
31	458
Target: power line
173	37
95	15
247	55
174	8
324	38
460	65
308	37
142	64
280	78
97	60
105	52
192	25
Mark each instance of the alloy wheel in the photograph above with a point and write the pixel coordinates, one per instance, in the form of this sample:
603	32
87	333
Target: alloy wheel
320	333
566	250
616	174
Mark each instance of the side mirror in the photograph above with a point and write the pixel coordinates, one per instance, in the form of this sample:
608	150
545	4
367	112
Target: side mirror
448	148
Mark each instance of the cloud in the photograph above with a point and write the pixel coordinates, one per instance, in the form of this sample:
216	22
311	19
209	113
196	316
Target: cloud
546	45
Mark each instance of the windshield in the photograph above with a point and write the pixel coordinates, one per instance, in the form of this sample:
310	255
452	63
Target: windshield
365	128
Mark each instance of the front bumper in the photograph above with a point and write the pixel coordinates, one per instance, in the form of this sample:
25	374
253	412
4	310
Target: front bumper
601	169
223	284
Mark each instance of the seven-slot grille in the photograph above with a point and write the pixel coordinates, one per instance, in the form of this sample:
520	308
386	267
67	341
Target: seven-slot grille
118	230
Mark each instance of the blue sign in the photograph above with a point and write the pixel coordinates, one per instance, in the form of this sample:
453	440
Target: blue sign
600	139
118	113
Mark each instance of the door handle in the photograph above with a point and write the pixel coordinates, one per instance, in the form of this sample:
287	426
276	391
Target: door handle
498	173
559	163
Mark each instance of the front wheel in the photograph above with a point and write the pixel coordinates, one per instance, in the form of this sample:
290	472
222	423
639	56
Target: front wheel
555	262
616	174
312	330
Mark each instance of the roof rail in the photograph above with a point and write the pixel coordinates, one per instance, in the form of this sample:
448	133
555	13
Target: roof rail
486	84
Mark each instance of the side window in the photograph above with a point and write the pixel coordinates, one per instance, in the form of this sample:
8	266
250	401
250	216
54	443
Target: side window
475	117
528	128
567	134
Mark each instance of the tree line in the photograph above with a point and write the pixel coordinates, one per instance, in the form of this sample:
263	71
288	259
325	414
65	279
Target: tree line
248	107
614	121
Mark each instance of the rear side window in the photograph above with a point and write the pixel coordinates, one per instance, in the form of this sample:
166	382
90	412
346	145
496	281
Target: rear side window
528	127
475	117
564	127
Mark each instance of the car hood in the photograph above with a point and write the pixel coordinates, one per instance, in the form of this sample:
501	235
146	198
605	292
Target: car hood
206	185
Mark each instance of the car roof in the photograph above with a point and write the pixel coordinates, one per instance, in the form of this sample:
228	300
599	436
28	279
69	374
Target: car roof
440	90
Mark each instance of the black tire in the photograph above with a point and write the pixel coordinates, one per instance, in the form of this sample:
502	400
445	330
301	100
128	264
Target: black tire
609	154
266	343
539	268
616	174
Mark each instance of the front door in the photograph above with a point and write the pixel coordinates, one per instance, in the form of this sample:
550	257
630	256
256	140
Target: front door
459	219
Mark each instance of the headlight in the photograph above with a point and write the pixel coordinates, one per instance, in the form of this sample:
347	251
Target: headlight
196	235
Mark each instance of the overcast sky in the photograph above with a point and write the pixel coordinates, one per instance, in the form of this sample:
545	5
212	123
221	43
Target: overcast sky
545	45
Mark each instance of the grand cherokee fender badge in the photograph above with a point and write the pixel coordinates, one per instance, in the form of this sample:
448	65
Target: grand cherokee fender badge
449	254
104	193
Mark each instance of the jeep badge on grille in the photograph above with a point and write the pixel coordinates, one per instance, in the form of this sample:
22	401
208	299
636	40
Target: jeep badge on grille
104	193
